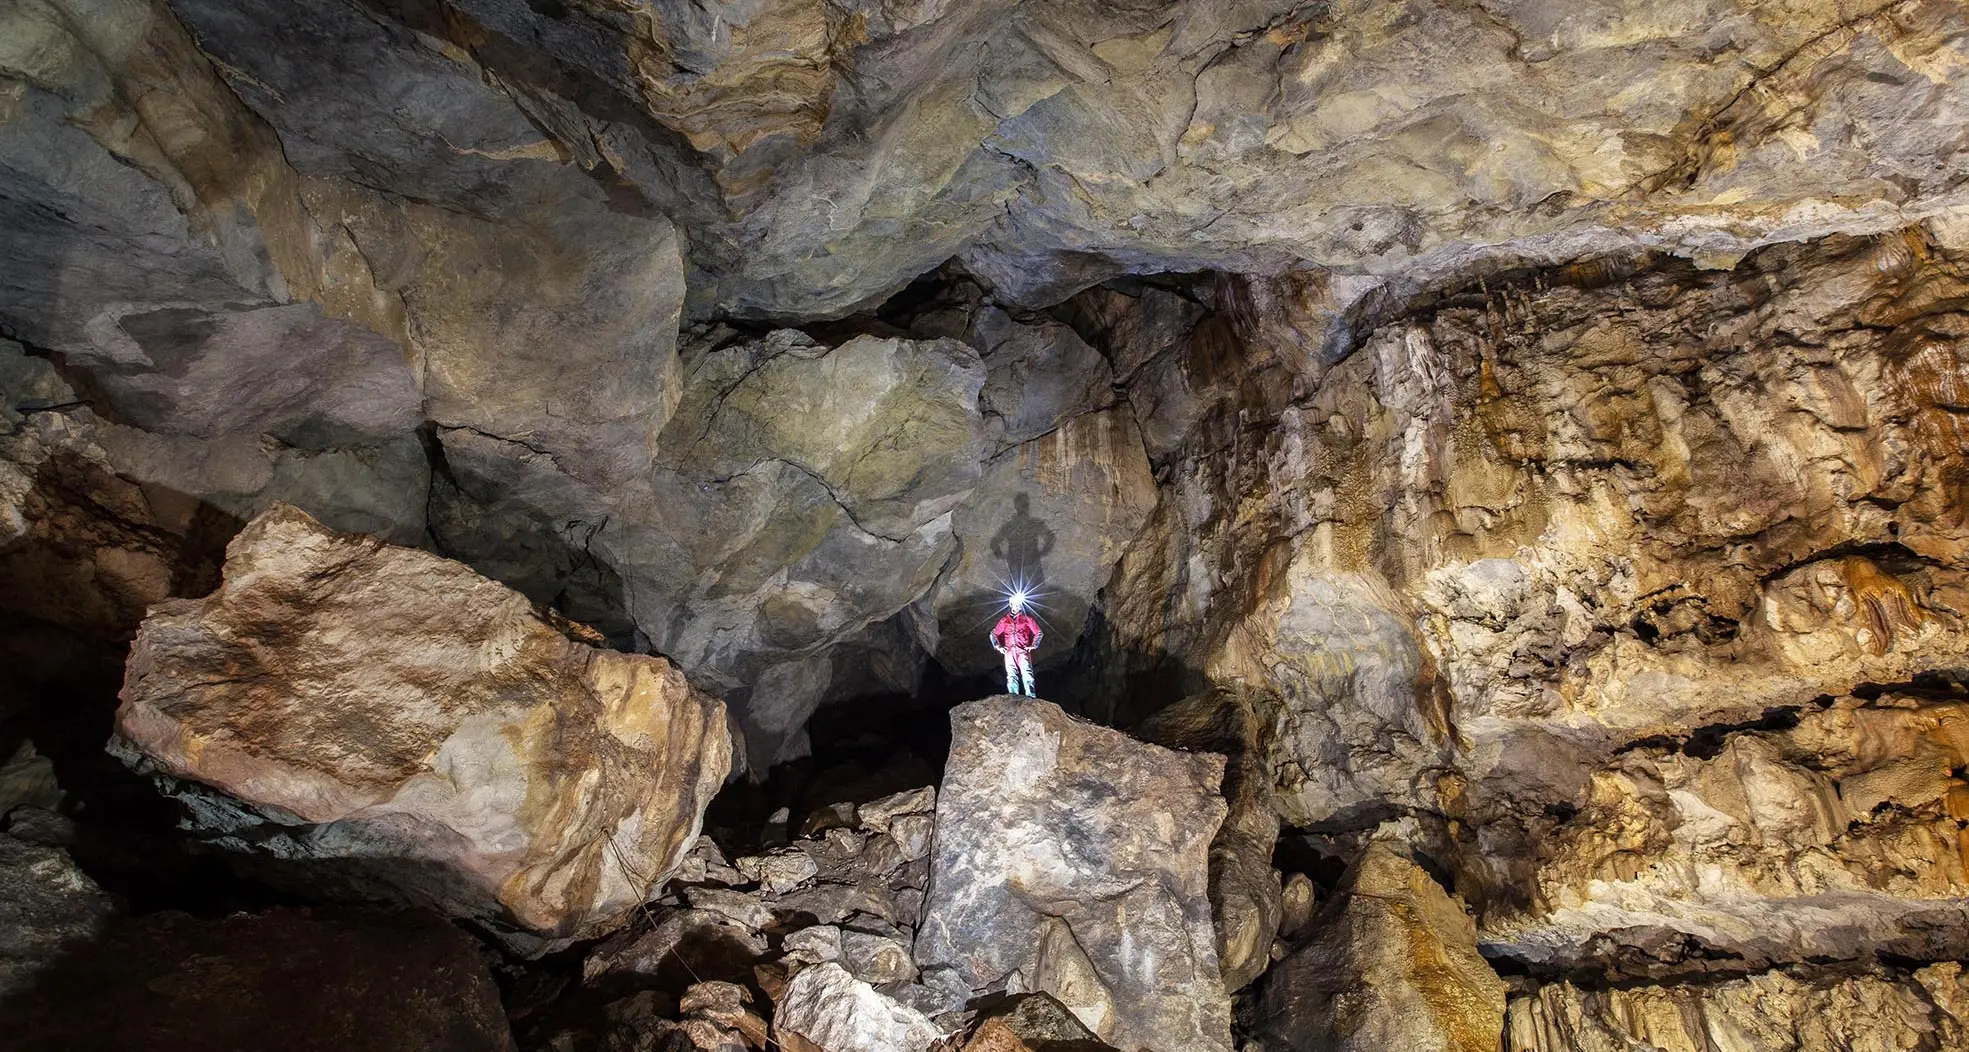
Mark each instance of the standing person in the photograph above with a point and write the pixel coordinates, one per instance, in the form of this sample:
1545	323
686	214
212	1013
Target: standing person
1016	636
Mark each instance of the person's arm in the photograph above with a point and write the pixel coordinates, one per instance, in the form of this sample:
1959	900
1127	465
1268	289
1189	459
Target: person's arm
996	631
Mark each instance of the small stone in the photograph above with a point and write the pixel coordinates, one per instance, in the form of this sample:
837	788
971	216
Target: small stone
876	959
724	1004
706	864
877	815
831	816
714	997
842	843
1031	1023
882	855
835	903
913	833
779	871
1299	901
816	945
739	907
837	1012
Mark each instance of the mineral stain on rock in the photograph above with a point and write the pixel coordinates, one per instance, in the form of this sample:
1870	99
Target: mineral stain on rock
1493	476
391	710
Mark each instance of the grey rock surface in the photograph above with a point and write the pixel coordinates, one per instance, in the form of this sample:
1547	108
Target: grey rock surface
835	1012
49	908
1053	515
1072	859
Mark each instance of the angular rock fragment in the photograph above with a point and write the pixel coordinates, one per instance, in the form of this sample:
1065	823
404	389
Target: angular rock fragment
415	730
779	871
47	906
876	959
881	815
1073	859
834	1012
1394	965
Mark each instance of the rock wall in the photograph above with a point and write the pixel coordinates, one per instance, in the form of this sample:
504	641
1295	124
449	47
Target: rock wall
1529	432
1638	585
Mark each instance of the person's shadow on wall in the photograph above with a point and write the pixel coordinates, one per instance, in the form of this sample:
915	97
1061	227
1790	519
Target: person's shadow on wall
1023	542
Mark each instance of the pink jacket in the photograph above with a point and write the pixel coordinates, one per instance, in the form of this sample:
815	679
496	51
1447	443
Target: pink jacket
1016	632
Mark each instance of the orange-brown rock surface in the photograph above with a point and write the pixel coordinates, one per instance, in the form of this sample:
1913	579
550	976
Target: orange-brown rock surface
416	729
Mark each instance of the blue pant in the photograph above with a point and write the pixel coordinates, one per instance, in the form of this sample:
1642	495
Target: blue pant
1018	665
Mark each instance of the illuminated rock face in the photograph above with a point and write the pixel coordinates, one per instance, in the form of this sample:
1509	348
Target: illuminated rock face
1808	1012
1394	966
1073	860
1530	431
414	729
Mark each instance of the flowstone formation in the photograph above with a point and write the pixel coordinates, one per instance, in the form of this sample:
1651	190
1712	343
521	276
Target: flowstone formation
1493	477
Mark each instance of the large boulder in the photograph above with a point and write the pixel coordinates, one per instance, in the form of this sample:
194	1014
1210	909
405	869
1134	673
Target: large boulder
423	728
1394	966
1072	859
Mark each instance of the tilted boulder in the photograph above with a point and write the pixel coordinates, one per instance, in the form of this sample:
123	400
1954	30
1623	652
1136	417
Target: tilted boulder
1072	859
425	730
1394	966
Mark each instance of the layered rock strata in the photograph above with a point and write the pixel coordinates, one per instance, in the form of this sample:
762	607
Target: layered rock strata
1808	1012
1839	838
